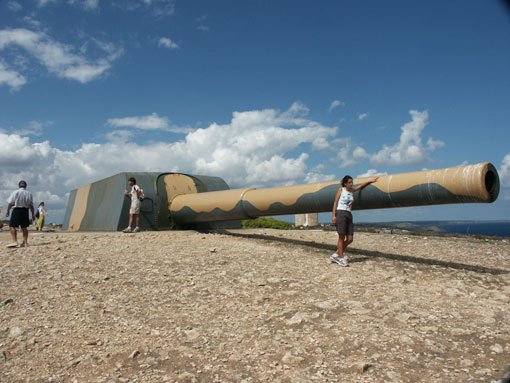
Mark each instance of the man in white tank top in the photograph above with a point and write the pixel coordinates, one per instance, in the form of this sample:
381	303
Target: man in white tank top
134	209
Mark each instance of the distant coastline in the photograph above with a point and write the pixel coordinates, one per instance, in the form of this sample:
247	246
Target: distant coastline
498	228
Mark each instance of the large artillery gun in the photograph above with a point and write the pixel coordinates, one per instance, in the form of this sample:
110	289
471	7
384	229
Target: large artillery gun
177	200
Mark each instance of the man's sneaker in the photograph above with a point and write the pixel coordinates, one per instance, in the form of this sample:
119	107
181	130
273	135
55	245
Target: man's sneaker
333	257
340	261
127	230
136	230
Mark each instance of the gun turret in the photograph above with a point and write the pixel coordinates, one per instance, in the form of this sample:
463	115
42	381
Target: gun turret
176	200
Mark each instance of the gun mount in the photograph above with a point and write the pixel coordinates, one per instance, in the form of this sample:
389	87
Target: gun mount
176	200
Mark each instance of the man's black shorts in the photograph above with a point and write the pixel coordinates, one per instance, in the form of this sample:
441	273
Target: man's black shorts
344	224
19	217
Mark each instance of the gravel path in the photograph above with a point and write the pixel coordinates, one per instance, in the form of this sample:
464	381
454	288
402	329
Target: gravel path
253	306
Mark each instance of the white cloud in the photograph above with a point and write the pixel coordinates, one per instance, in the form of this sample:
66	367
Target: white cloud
371	173
58	58
43	3
256	148
336	104
14	149
150	122
359	153
161	7
201	23
201	19
91	4
119	136
275	169
33	128
409	150
85	4
29	20
434	144
167	43
11	78
14	6
362	116
85	72
504	172
21	159
321	144
313	177
350	154
266	132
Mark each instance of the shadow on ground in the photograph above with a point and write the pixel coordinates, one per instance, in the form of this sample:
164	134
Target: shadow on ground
369	254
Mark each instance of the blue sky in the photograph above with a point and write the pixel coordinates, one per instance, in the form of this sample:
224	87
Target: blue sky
260	93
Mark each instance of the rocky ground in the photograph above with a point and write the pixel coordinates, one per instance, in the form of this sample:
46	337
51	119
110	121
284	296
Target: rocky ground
253	306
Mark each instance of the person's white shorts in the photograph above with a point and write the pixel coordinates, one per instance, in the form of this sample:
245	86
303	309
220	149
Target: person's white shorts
135	207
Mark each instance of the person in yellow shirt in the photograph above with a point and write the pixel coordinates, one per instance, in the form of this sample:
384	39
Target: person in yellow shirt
41	216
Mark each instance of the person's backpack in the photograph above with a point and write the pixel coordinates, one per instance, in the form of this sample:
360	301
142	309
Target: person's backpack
141	195
37	214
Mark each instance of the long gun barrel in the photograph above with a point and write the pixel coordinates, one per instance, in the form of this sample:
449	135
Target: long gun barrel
462	184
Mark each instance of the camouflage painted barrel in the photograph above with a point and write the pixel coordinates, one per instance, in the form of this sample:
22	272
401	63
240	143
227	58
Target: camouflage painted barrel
463	184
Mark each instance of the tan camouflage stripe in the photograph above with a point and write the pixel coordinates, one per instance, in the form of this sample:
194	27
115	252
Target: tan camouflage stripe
225	200
79	208
465	180
287	195
177	184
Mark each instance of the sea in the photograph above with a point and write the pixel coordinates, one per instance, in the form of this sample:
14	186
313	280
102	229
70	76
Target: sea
481	228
